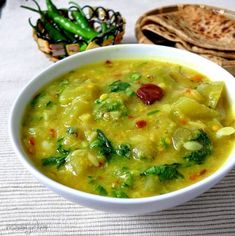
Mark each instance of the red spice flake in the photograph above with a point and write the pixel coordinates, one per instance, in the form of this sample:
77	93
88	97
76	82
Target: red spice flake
130	117
202	172
193	177
31	150
140	124
32	141
197	78
149	93
52	133
101	163
108	62
183	122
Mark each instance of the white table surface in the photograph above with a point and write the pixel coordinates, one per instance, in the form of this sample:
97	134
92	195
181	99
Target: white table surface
29	208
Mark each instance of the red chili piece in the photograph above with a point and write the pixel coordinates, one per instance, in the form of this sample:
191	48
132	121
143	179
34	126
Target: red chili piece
140	124
32	141
149	93
52	133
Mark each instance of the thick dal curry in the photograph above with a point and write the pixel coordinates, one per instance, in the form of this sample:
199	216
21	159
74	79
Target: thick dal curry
131	128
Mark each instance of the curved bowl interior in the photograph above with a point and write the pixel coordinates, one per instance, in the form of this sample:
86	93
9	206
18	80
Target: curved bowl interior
148	52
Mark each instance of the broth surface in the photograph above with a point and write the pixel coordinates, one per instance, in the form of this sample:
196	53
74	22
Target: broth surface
129	128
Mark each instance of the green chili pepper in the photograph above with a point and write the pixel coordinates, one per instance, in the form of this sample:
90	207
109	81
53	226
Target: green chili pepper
54	34
66	24
80	17
81	20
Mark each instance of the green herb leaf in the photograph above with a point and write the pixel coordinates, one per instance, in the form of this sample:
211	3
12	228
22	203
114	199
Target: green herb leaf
124	150
119	194
199	156
164	172
49	104
62	85
71	130
36	99
118	86
103	145
60	148
164	143
101	190
57	161
134	76
109	105
125	178
129	92
91	180
152	112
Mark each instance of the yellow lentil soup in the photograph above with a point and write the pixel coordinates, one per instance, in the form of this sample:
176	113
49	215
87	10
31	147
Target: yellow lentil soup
129	128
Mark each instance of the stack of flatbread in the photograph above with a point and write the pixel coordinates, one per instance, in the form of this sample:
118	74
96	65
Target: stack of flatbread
201	29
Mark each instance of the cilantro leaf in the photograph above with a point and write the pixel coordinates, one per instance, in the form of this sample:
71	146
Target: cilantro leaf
199	156
118	86
134	76
164	172
103	144
124	150
57	161
119	194
101	190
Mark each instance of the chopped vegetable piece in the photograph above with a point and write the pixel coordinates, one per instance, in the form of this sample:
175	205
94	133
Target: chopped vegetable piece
193	109
118	86
225	131
110	107
149	93
164	172
198	157
192	146
212	92
180	136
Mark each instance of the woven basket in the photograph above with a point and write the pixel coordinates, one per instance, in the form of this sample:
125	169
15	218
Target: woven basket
96	16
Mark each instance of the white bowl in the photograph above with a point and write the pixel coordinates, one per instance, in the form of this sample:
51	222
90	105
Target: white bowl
133	51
